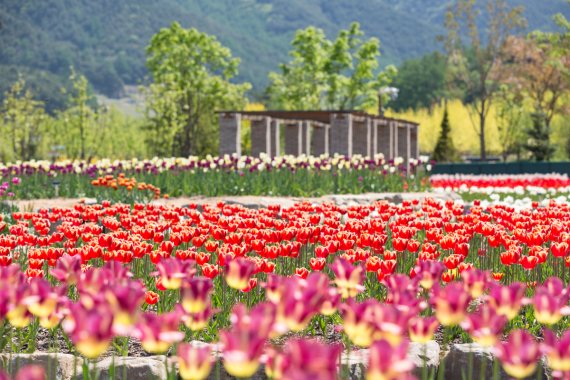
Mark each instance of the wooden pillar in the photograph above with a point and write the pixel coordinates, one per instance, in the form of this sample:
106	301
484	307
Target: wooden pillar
276	137
305	140
408	146
368	137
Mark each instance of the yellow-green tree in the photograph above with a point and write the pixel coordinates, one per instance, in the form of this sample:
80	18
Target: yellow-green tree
474	66
192	73
339	74
77	128
22	124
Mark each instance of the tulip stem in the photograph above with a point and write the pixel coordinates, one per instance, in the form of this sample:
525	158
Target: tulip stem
495	368
424	360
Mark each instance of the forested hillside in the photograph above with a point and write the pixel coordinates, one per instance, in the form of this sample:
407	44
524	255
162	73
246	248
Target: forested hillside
106	39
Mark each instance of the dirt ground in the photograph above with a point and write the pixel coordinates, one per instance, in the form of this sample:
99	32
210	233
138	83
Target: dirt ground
248	201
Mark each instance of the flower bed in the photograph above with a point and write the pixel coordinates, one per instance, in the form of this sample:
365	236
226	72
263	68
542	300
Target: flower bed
505	187
228	175
299	285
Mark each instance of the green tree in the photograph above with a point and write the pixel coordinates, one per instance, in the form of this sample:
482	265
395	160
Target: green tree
192	75
538	143
21	125
474	68
510	114
339	74
444	150
420	82
78	128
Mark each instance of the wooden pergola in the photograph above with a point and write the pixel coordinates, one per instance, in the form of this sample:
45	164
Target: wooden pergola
318	132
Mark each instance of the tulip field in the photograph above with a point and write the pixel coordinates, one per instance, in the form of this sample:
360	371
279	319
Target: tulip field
289	288
283	292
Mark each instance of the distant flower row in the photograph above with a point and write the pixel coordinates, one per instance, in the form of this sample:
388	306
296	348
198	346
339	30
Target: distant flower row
503	183
216	176
210	163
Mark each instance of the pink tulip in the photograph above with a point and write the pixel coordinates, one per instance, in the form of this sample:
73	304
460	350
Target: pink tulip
243	343
172	271
158	332
238	272
310	360
519	354
194	362
91	332
451	304
348	278
485	326
195	294
506	300
387	362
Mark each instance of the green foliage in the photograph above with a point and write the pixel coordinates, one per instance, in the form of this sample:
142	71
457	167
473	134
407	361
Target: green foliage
339	74
80	120
538	143
420	82
275	182
105	40
22	124
444	150
510	115
476	72
192	73
28	132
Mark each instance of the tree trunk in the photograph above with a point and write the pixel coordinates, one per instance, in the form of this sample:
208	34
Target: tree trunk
482	133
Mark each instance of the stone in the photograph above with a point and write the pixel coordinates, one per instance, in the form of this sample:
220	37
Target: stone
57	366
354	365
131	368
427	354
471	360
219	372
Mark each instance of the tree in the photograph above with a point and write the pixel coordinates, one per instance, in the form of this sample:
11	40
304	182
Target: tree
510	114
475	70
193	71
420	82
79	134
339	74
538	143
444	150
21	125
538	74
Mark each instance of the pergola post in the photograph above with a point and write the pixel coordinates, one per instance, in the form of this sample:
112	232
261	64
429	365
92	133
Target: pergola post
414	140
276	137
341	134
307	137
368	137
230	133
261	136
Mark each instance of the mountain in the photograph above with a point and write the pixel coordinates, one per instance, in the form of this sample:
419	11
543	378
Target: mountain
106	39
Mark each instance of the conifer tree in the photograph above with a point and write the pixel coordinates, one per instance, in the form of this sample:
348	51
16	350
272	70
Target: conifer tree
538	143
444	150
